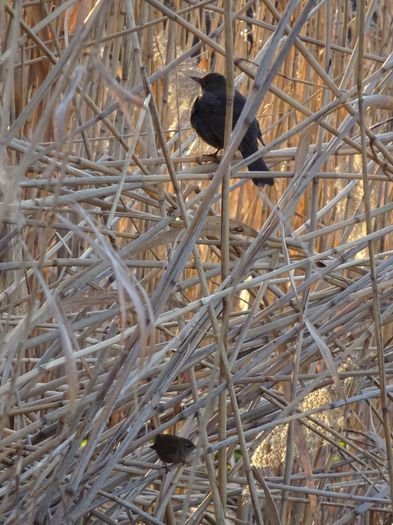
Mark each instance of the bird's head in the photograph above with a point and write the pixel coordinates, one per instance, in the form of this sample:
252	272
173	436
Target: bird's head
211	81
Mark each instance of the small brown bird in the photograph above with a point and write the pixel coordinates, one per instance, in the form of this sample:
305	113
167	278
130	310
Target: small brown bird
173	449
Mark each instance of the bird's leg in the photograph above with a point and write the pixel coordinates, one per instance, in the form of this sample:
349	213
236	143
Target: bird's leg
209	157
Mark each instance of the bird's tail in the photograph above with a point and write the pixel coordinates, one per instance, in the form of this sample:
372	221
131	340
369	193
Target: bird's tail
258	165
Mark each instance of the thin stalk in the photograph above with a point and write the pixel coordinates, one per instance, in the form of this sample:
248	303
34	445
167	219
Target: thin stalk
376	307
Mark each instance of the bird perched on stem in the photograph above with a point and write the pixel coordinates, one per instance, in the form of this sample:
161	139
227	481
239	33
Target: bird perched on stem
208	120
173	449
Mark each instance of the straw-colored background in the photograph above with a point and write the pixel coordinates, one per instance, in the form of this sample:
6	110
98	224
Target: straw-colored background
145	291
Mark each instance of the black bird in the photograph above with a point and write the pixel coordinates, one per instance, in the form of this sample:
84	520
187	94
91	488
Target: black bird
172	449
208	120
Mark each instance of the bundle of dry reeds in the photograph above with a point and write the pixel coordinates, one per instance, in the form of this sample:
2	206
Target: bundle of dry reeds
144	291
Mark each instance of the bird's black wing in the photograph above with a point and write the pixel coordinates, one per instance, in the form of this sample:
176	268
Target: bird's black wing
238	105
259	133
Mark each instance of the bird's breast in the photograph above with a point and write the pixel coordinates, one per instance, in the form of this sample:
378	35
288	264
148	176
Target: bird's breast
194	106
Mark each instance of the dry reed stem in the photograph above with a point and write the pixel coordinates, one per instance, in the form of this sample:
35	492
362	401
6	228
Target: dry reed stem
140	298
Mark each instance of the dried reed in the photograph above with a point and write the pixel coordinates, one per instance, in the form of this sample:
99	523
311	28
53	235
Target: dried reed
146	292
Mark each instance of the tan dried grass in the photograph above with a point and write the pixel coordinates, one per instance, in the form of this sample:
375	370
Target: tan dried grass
143	292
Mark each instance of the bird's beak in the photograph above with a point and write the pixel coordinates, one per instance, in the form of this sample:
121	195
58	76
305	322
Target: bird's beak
197	79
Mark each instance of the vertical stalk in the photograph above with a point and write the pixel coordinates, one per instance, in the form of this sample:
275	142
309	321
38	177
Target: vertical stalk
229	70
360	13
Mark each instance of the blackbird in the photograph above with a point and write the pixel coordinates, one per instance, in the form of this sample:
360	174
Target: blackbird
208	120
172	449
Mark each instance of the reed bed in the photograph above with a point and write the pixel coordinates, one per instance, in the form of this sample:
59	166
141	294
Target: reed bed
145	290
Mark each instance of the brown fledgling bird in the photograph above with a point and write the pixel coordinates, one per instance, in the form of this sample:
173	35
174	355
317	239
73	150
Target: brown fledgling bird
208	120
173	449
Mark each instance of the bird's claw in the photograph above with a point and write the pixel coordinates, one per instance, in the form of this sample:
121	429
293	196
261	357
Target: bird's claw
208	157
